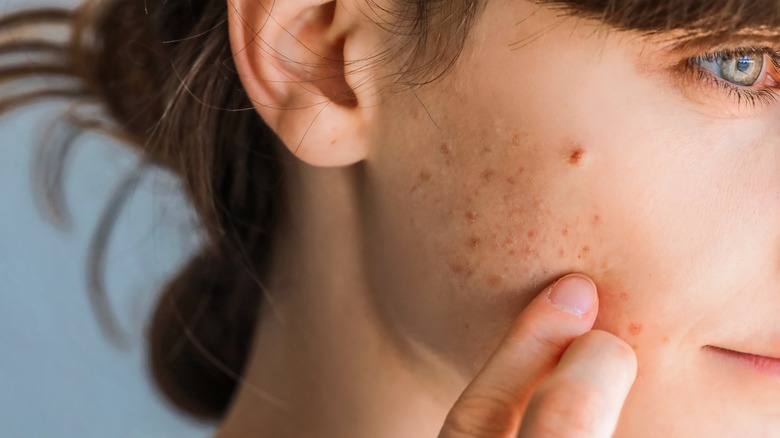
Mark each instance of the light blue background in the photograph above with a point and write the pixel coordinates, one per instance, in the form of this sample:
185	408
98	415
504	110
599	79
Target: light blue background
59	376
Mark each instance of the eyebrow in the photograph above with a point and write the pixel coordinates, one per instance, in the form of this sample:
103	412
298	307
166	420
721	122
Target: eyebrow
701	17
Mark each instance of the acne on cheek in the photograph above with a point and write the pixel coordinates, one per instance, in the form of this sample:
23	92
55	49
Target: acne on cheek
423	178
525	249
618	316
524	236
575	156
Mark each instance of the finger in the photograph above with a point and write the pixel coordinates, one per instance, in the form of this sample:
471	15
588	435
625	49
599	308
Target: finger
585	393
491	405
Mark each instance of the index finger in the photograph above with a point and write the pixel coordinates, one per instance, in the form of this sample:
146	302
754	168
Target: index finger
494	401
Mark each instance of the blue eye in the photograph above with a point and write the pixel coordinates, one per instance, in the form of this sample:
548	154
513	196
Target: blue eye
738	68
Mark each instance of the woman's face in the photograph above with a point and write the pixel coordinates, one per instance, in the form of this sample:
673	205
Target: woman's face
558	145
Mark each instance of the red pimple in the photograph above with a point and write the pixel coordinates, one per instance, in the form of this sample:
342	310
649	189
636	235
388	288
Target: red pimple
510	180
487	175
634	328
531	233
473	242
576	154
596	220
471	217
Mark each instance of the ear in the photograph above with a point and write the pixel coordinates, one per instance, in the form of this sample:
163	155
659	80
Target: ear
290	56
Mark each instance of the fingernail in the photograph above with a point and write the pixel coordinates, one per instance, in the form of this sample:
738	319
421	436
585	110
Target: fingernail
573	294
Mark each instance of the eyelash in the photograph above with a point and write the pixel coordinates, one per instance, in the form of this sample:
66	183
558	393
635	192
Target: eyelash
741	94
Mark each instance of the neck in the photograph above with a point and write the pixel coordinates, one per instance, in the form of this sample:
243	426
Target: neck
323	364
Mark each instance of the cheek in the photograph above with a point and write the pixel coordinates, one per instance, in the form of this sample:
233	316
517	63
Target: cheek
522	221
518	221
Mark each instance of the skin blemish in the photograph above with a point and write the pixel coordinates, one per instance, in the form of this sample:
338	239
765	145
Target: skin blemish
487	175
531	233
574	152
423	178
623	295
584	253
461	270
575	156
486	150
511	252
517	138
665	339
561	252
596	220
565	231
446	151
494	281
635	328
473	242
471	217
511	181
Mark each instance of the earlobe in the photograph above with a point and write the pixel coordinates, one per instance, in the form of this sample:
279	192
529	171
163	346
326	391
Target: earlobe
290	57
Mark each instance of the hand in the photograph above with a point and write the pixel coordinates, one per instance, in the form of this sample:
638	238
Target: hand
551	376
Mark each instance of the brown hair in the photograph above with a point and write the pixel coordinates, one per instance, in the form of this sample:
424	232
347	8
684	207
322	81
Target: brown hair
163	73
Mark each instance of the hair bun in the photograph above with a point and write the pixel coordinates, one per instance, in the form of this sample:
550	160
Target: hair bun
198	338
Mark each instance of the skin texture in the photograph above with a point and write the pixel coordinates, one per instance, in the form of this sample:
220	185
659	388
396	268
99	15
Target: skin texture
554	145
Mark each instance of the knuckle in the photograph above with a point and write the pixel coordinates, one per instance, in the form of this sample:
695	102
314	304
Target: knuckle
570	411
482	415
